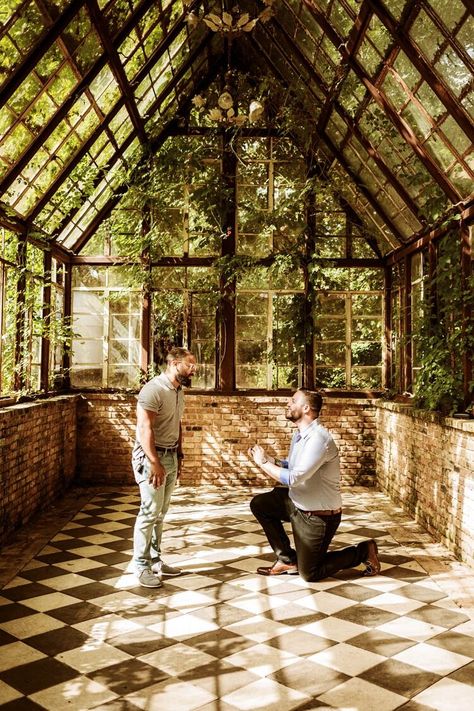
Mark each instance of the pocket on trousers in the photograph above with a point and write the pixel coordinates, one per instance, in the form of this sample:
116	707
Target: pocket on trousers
141	470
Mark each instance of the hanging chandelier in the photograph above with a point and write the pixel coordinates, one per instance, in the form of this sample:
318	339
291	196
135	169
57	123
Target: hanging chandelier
233	23
230	25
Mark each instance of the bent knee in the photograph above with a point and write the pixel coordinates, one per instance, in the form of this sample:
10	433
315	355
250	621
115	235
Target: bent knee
309	576
256	503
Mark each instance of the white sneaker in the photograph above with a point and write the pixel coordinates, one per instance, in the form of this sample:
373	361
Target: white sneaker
147	579
162	568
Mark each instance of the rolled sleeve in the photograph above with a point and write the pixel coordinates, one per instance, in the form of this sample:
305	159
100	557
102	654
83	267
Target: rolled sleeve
285	476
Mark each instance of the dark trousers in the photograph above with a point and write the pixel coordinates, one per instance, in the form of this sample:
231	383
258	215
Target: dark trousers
311	534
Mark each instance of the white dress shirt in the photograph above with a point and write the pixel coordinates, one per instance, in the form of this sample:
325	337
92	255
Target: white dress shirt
312	471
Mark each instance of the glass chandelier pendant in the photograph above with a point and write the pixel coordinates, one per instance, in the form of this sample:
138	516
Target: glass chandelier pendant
225	100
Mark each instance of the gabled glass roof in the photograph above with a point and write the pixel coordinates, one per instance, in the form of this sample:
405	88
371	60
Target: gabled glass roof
385	90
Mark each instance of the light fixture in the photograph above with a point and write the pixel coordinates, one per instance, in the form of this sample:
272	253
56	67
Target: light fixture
233	23
230	25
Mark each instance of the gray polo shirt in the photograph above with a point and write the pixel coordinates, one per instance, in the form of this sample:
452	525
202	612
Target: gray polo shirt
160	396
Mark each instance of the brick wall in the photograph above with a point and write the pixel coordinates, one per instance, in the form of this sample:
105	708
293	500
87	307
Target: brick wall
425	463
37	458
217	431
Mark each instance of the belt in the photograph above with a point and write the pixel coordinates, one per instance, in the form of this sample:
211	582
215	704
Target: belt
327	512
167	449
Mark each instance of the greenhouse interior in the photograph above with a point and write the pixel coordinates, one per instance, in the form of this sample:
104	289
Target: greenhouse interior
282	190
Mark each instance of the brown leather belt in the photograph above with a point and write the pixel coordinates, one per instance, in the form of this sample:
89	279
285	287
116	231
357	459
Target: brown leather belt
328	512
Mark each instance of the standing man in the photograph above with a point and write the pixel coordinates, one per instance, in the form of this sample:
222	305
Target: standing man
156	461
310	500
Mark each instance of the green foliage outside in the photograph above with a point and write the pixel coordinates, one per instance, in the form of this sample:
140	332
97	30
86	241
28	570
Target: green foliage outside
443	334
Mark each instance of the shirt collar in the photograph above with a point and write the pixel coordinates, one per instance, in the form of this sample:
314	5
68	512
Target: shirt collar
307	430
167	382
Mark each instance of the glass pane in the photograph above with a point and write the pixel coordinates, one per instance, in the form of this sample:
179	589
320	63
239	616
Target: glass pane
331	330
330	377
331	354
366	329
366	353
366	377
86	377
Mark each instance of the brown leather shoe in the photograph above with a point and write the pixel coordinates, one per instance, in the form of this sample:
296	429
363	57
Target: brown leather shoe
279	568
372	564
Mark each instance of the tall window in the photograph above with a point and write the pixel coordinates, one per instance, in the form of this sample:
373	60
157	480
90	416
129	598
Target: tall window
32	326
269	335
57	332
184	303
419	267
8	294
348	336
106	324
397	327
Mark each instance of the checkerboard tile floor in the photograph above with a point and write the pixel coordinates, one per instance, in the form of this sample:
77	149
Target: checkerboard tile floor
77	632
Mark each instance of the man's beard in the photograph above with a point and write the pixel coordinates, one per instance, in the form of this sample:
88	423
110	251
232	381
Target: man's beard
291	417
185	380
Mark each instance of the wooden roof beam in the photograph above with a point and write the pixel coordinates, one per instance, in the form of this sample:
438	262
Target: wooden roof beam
353	128
379	97
65	171
382	166
60	114
355	39
117	69
300	56
378	209
366	193
154	145
38	51
454	107
10	220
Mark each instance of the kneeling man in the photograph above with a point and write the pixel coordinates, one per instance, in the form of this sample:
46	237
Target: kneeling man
310	500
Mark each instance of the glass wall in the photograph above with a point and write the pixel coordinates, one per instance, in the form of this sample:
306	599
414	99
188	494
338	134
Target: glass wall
348	320
107	329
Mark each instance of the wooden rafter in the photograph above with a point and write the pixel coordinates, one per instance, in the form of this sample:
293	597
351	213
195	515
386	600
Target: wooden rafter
116	156
66	170
154	144
365	192
355	39
332	101
193	56
408	16
300	57
117	69
382	166
374	203
37	53
379	97
61	113
435	82
105	211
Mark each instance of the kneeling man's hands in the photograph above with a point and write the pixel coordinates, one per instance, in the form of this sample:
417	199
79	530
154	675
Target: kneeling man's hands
258	454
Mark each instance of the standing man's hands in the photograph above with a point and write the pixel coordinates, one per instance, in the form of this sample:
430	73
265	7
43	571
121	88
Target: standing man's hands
157	474
145	421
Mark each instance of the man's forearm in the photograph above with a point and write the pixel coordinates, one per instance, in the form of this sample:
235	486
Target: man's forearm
270	468
147	441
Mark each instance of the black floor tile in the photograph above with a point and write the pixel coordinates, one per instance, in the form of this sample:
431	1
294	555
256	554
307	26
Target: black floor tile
38	675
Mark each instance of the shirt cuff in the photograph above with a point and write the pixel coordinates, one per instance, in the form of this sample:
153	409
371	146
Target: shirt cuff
285	476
